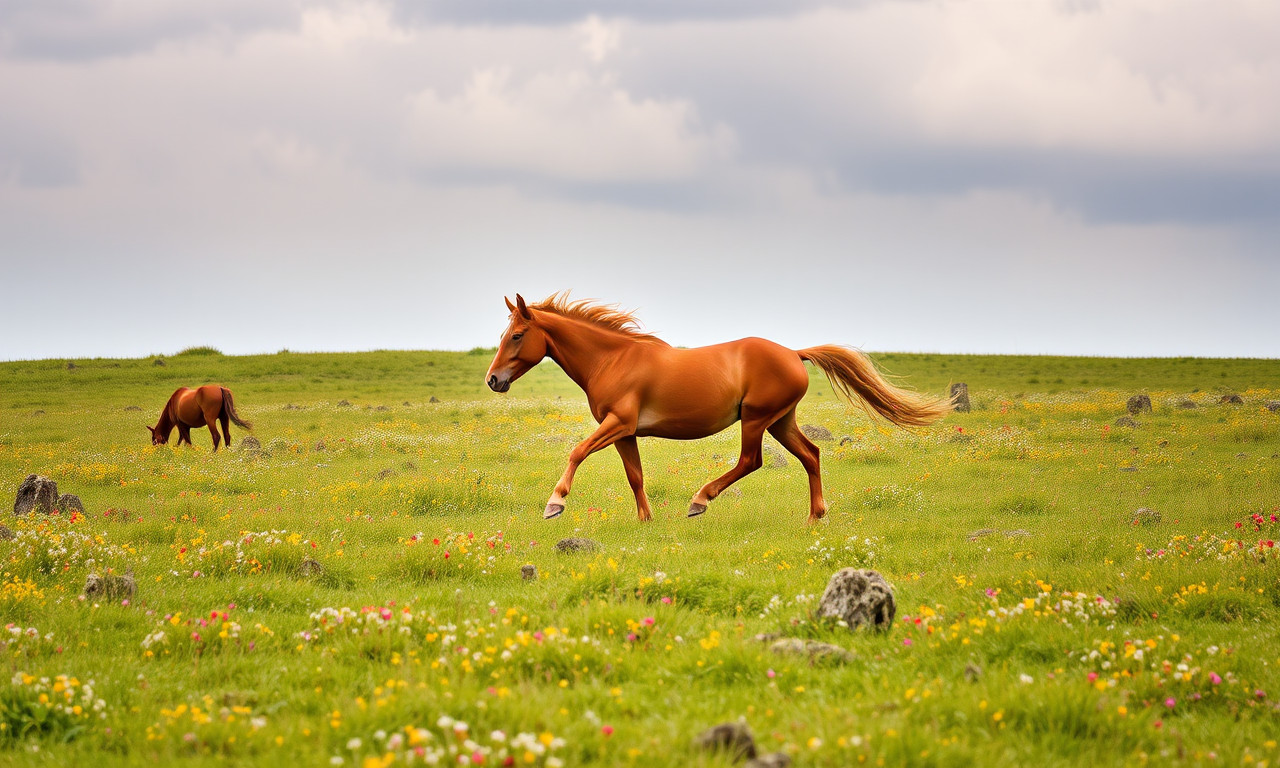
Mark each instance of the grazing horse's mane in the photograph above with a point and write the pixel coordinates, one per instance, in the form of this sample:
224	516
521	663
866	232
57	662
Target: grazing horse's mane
603	315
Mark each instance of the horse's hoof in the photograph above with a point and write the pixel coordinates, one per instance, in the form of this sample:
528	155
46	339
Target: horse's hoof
552	510
696	509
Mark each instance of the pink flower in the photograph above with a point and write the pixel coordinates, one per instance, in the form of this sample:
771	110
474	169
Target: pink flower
666	601
477	757
1213	678
771	674
1093	676
906	641
648	621
1170	702
607	730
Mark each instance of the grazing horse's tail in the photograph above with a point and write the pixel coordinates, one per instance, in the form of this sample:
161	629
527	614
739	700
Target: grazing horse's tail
229	408
852	373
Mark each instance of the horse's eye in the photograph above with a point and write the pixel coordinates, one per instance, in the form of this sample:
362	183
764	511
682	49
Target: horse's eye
517	336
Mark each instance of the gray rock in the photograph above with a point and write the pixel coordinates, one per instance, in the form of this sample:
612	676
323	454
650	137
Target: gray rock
1016	533
1186	405
1231	400
733	739
1145	516
250	443
309	568
771	760
344	404
37	493
435	399
858	597
814	650
320	446
1273	406
72	366
386	474
960	397
1138	404
6	533
159	361
847	440
972	672
975	535
815	432
529	572
382	408
69	502
577	544
773	457
110	587
132	408
1126	421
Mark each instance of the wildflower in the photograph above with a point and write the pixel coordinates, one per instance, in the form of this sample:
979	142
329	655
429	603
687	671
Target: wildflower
607	730
1170	702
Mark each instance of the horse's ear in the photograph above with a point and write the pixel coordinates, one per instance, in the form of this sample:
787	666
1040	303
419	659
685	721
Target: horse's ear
524	309
510	307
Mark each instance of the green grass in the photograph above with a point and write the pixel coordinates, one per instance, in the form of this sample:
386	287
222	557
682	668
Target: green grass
650	639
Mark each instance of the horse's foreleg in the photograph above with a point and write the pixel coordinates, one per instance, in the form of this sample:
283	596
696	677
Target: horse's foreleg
184	434
748	461
630	453
612	428
786	431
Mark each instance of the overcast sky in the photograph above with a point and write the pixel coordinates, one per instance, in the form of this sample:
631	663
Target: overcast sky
1011	176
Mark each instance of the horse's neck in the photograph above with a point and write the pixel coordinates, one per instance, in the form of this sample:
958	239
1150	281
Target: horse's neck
166	419
579	348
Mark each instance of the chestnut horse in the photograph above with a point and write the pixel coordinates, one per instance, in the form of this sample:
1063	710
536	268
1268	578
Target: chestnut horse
203	406
639	386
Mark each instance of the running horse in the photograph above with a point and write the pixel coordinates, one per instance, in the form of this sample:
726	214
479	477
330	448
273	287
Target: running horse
203	406
639	386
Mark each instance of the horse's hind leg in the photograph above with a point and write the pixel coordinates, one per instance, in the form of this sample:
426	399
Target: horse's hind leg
211	419
753	427
630	453
226	429
786	431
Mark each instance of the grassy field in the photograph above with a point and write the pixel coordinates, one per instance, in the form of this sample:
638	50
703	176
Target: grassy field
1068	635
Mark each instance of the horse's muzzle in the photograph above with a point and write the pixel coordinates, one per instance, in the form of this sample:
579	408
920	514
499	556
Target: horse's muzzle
499	386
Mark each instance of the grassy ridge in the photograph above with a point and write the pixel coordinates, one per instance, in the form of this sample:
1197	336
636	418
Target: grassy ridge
620	657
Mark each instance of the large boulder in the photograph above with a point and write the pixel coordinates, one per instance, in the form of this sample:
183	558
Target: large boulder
37	493
1231	400
858	597
960	397
1138	404
110	587
69	502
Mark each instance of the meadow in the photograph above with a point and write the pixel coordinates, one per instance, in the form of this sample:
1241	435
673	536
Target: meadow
1037	622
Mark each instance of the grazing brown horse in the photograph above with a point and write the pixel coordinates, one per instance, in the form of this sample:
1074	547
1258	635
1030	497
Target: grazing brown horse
203	406
639	386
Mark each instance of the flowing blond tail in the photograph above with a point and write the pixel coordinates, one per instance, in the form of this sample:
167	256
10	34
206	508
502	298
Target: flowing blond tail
853	375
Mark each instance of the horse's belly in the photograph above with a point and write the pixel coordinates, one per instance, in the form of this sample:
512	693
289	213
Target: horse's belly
688	425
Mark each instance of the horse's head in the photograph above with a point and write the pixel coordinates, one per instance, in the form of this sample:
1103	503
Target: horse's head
157	437
523	346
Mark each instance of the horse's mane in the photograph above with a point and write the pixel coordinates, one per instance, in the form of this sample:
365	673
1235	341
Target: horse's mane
603	315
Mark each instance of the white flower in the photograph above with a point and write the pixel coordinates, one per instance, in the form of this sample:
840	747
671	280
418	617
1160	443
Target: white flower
498	736
354	744
336	760
1026	679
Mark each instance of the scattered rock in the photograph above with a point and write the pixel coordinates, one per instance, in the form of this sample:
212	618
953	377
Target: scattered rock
72	366
132	408
320	446
37	413
434	399
1145	516
405	403
410	466
1126	421
972	672
110	587
309	569
37	493
816	651
6	533
159	361
1186	405
291	407
577	544
382	408
771	760
773	458
960	397
1273	406
858	597
815	432
975	535
1138	404
734	739
1162	443
69	502
1231	400
250	443
344	404
529	572
1242	455
1016	533
847	440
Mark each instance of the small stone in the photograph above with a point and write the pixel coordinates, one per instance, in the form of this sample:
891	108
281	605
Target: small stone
309	568
975	535
72	366
771	760
410	466
1126	421
960	397
434	399
344	404
37	493
1145	516
250	443
814	650
529	572
382	408
159	361
815	432
1186	405
847	440
1231	400
773	458
1273	406
6	533
405	403
132	408
386	473
858	597
734	739
577	544
1139	404
69	502
320	446
110	587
